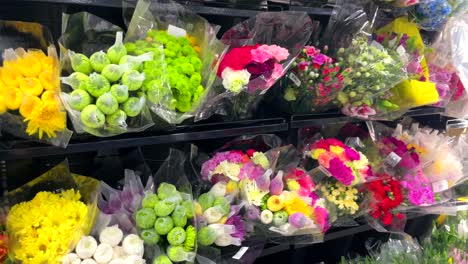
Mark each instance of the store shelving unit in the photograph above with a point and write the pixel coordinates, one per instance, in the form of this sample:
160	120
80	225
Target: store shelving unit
82	148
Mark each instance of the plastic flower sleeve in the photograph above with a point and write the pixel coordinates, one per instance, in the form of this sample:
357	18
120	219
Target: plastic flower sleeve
261	50
167	214
103	85
191	52
314	81
431	15
404	39
29	84
373	71
117	207
71	198
349	20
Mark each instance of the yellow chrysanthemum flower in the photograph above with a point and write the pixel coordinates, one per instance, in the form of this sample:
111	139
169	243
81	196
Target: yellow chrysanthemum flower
294	204
43	229
46	118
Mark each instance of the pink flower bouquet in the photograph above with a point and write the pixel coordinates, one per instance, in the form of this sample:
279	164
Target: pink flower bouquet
345	164
252	67
261	50
316	80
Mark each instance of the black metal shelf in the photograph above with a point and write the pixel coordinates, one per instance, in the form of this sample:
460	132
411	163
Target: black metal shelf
334	233
185	133
306	120
200	8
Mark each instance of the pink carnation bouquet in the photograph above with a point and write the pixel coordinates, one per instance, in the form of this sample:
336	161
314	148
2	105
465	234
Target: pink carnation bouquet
252	68
261	50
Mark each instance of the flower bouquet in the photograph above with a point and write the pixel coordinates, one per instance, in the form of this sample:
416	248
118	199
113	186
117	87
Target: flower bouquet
117	207
432	14
49	215
114	247
166	218
383	197
30	85
345	164
373	71
291	208
442	155
104	94
315	80
179	83
218	220
261	51
402	162
403	38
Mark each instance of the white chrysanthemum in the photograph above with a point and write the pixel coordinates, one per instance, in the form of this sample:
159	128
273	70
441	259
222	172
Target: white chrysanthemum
235	81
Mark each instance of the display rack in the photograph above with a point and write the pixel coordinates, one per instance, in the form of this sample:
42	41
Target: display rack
15	150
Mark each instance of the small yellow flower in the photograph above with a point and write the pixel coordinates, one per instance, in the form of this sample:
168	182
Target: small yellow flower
293	185
275	203
223	220
198	209
317	152
336	150
231	187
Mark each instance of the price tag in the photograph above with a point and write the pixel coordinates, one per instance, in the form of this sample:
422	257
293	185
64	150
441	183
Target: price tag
295	79
176	31
392	159
377	45
240	253
440	186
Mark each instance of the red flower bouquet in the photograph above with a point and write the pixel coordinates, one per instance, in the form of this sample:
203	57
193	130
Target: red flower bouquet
385	195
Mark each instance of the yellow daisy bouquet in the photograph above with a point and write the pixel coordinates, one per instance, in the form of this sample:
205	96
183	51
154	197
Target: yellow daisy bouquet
49	215
30	85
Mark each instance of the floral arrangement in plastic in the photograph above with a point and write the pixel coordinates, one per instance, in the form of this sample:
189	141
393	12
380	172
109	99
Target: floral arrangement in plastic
373	71
121	205
343	198
29	84
442	154
403	38
448	84
46	226
403	162
385	195
289	205
183	69
345	164
235	165
432	14
316	79
166	218
218	219
252	67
